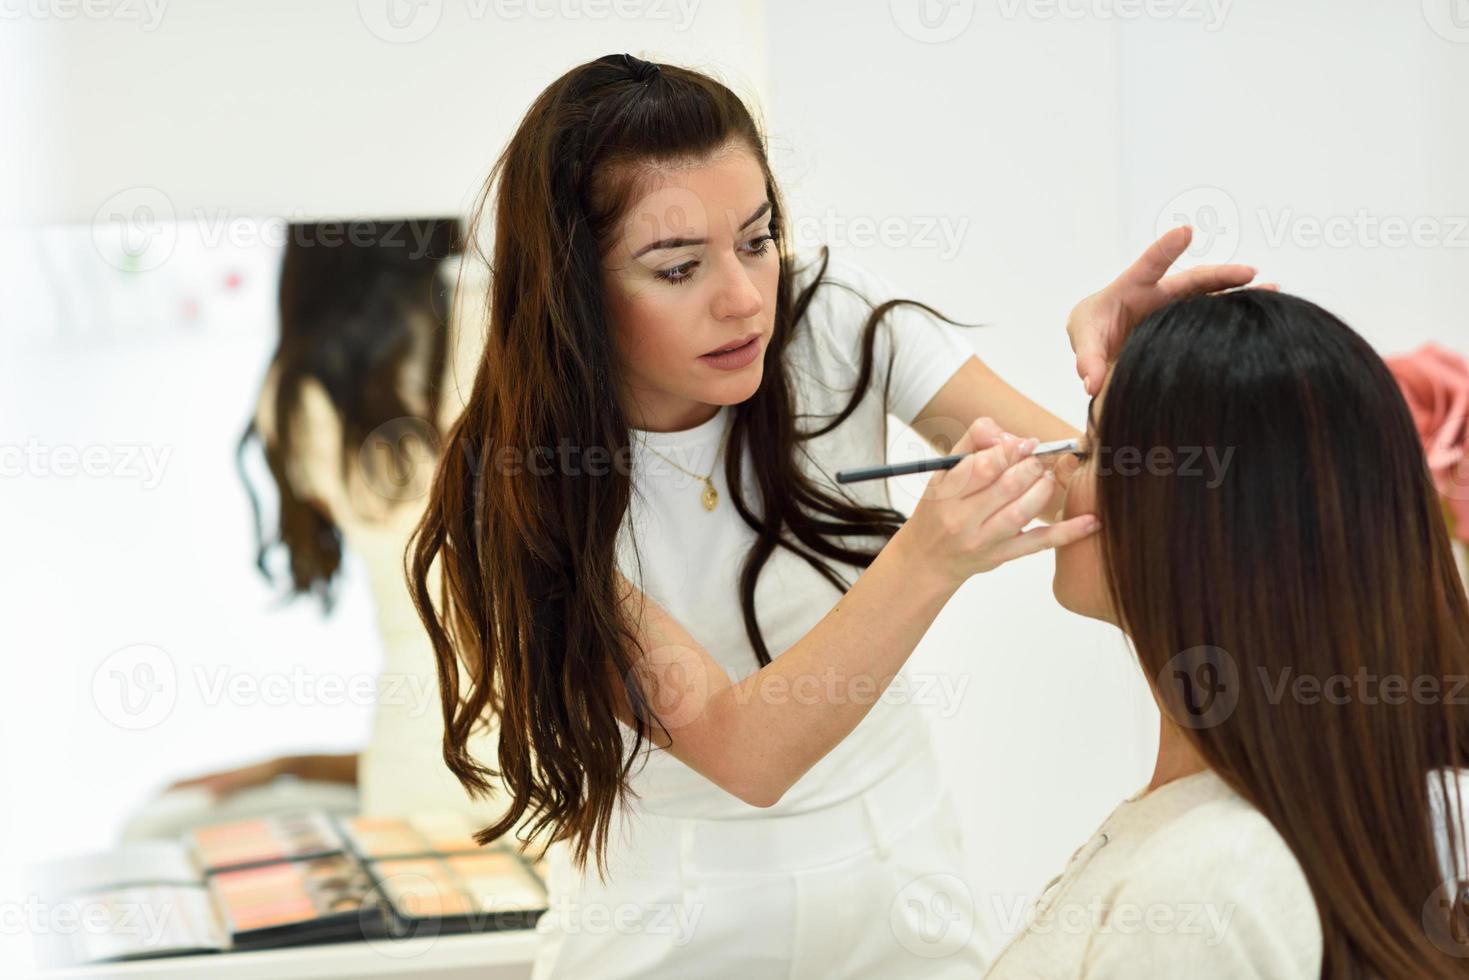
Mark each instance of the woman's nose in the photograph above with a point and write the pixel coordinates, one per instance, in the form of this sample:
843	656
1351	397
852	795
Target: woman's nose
738	298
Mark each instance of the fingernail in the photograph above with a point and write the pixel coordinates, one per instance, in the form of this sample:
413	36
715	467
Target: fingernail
1093	525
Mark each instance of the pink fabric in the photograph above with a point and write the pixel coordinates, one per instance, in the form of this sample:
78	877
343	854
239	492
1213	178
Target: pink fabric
1435	384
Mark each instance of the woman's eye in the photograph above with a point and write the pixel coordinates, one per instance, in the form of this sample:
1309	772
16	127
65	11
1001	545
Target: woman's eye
678	274
761	245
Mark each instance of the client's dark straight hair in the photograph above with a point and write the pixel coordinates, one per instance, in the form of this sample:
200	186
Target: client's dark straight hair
1322	552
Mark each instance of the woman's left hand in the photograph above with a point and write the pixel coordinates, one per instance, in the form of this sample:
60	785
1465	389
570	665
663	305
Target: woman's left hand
1100	323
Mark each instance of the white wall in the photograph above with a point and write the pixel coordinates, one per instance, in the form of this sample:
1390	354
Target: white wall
276	107
1312	136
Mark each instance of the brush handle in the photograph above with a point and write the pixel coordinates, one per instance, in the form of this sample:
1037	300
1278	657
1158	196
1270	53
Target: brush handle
940	463
898	469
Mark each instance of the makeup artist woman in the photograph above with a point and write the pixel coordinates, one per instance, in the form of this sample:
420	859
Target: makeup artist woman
648	454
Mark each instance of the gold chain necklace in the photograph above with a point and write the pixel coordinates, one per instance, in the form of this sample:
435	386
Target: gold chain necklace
710	496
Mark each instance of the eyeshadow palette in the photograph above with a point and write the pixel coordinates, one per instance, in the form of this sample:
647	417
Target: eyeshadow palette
433	875
290	903
419	833
491	890
288	880
243	843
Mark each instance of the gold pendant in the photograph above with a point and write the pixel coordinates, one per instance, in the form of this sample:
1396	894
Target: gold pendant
710	496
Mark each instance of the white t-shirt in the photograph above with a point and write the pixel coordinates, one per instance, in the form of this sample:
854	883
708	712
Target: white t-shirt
691	558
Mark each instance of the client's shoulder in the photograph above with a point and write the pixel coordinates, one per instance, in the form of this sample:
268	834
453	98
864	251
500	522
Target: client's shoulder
1217	841
1217	886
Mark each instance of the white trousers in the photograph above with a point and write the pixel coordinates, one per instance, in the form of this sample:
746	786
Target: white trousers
871	887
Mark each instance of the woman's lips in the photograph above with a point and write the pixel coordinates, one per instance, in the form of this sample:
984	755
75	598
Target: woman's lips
734	359
733	346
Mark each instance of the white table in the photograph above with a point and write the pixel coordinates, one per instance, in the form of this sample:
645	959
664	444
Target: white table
481	956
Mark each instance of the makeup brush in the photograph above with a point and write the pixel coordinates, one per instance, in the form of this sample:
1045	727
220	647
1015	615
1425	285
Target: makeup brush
944	463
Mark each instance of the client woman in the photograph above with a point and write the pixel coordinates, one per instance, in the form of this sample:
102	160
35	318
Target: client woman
1273	548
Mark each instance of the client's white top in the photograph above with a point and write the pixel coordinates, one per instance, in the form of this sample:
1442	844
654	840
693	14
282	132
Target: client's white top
691	558
1189	880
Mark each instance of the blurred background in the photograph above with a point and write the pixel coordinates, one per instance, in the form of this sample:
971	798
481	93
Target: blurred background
998	160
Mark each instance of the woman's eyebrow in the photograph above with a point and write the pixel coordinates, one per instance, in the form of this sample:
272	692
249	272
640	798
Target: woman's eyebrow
759	213
663	243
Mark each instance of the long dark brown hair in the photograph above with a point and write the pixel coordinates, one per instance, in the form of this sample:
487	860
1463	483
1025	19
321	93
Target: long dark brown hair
1320	551
356	298
528	597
